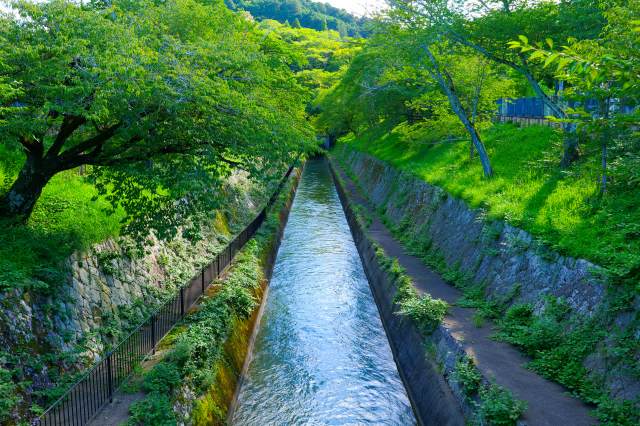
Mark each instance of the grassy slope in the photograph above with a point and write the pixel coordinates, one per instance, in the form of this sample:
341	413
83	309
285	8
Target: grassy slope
65	219
563	209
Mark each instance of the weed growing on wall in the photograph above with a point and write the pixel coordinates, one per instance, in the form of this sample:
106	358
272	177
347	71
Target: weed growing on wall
426	311
494	405
498	406
467	376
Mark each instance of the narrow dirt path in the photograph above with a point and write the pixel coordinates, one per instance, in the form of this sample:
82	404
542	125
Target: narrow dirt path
548	402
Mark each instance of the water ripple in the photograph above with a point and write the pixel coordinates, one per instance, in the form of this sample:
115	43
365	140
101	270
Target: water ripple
321	356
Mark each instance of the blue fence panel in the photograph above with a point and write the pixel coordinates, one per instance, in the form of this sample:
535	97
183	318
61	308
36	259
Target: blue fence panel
536	108
522	107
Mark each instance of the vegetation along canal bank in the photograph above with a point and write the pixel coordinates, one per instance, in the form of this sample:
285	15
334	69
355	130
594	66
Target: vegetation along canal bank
468	288
192	378
487	157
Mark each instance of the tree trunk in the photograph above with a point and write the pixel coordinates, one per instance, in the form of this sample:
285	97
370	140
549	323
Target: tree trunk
537	89
570	144
476	100
21	198
603	183
446	84
457	107
606	134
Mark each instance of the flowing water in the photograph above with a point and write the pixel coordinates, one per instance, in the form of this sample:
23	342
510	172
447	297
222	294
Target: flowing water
321	355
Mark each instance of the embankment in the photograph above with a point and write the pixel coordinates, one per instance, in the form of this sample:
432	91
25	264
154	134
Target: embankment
207	352
102	294
432	399
215	406
510	267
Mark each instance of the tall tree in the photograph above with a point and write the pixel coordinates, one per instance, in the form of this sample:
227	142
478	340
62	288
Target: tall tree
487	27
154	95
420	37
603	70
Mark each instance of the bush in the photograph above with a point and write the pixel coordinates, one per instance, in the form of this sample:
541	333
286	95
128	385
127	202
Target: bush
499	407
9	399
468	376
426	311
163	378
155	409
532	333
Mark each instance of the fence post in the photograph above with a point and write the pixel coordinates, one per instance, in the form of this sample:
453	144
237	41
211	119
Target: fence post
203	281
182	301
110	377
153	333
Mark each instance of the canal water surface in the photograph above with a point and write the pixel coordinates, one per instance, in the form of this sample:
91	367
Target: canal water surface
321	355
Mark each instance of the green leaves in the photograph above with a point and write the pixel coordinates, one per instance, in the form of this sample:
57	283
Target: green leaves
169	97
499	407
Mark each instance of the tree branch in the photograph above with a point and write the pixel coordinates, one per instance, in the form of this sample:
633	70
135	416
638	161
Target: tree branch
34	147
70	124
90	144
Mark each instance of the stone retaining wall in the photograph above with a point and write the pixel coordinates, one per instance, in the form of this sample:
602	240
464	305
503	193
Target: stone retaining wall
112	286
435	399
508	260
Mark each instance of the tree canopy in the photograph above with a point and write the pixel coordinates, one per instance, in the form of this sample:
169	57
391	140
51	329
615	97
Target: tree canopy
163	99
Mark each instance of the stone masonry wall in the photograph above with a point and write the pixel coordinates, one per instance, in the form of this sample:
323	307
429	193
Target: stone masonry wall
509	261
494	253
112	286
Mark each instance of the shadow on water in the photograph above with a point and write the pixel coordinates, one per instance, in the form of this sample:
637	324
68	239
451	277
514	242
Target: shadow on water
321	355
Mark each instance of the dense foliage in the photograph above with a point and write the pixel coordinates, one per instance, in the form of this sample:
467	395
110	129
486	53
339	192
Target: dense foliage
164	99
306	13
391	102
319	58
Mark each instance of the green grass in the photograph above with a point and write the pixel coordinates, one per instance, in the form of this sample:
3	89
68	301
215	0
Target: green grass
64	220
563	209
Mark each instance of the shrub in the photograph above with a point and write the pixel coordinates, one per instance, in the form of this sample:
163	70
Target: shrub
532	333
468	376
163	378
155	409
499	407
426	311
9	399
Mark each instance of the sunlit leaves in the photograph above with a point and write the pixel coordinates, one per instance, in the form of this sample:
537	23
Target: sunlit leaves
192	89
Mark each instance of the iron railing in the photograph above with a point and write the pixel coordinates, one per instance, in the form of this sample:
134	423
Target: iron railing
84	399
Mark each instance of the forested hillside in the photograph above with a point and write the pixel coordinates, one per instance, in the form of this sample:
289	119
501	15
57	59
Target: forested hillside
306	13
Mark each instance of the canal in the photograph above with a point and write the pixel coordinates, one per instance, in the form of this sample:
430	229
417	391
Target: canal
321	355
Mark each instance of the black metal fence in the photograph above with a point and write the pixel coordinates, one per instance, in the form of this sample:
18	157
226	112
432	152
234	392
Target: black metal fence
96	388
